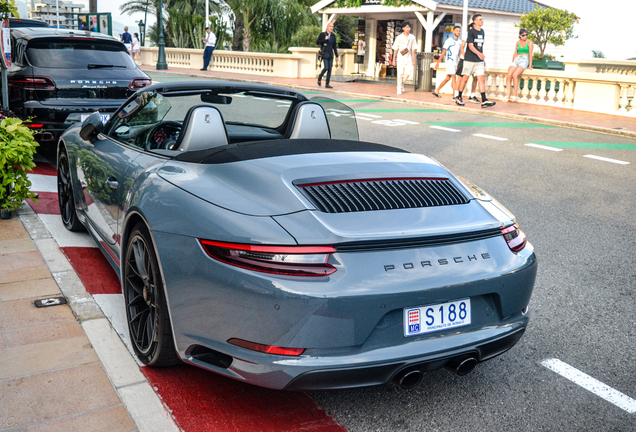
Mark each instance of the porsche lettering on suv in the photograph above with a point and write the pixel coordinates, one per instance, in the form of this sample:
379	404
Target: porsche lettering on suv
58	77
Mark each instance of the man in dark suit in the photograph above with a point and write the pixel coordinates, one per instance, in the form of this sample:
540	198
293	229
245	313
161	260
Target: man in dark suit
328	40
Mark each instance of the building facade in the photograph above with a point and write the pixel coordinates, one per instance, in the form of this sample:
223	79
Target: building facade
47	10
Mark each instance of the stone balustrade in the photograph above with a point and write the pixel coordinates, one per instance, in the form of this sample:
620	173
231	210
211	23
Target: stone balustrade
301	63
602	66
604	93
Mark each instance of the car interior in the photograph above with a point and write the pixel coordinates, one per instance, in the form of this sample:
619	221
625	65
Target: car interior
156	122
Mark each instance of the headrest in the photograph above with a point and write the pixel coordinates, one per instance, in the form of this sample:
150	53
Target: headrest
203	128
308	121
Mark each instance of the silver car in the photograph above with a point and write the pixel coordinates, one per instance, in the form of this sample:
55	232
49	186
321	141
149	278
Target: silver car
256	237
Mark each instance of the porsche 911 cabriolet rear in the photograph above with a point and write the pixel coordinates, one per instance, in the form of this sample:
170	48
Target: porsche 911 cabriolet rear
381	278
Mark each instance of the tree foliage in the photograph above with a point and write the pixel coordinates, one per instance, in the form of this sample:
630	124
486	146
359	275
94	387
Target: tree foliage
549	25
597	54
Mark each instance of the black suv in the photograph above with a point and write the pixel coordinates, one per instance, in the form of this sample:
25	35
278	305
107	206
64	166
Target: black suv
59	76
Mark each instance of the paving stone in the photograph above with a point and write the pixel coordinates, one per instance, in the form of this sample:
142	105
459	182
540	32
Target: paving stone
22	313
3	343
81	302
24	275
35	227
46	356
114	419
10	225
45	333
20	261
52	255
13	235
16	245
28	289
55	394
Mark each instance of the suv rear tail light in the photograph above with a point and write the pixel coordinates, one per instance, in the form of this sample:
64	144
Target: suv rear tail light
284	260
32	83
515	238
267	349
138	83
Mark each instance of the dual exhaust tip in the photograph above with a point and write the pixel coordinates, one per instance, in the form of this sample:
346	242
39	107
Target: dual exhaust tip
409	378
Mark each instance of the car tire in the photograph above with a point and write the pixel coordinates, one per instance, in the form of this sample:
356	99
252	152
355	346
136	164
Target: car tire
65	196
146	307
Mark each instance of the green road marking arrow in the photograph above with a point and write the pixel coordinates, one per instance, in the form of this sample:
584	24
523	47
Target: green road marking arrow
400	110
489	124
583	145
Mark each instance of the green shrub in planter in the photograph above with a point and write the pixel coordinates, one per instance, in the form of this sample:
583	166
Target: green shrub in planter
17	148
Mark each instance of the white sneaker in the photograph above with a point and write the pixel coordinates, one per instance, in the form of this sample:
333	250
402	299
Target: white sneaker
399	91
402	89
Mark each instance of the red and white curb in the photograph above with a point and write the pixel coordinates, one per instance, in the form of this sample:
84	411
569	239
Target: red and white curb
166	399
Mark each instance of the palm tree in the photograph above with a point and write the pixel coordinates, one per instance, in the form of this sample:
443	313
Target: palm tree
598	54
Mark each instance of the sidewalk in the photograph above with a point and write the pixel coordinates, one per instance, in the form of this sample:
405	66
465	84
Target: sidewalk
51	379
563	117
63	367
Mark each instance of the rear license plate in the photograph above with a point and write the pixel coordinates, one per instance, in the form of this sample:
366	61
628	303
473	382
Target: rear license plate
436	317
105	117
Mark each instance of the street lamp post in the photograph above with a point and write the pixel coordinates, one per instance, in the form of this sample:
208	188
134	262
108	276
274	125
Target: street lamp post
142	31
161	59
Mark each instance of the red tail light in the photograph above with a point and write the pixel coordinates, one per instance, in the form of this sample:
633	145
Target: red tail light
284	260
138	83
515	238
32	83
34	125
267	349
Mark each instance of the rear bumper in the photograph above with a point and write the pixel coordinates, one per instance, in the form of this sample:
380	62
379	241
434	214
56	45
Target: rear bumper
381	374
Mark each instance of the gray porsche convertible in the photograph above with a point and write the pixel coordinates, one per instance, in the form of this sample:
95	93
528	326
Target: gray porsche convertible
256	237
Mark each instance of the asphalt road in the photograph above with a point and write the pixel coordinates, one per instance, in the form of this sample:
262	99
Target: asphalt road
577	212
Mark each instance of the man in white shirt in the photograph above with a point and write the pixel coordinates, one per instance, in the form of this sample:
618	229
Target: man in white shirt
210	42
452	50
404	55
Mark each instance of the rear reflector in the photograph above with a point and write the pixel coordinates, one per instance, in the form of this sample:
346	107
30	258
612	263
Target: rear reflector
267	349
284	260
515	238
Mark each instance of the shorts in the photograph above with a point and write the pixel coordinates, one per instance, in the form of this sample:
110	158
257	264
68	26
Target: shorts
451	68
460	67
521	60
473	68
128	46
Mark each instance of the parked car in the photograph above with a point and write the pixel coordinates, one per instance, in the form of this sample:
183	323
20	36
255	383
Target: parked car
58	77
22	22
256	237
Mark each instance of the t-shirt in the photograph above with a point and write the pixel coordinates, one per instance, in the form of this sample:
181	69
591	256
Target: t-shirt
211	40
476	37
452	47
402	42
135	44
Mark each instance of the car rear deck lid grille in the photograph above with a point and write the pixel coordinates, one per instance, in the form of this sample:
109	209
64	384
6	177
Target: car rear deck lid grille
381	194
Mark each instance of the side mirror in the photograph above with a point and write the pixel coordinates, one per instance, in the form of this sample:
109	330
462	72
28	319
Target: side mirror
91	127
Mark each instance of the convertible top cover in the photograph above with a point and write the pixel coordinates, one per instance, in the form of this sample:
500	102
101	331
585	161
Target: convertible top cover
282	147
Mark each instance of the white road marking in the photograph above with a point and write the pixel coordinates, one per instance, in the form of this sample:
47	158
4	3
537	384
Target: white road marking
114	308
604	159
43	183
542	147
491	137
367	115
593	385
406	121
445	128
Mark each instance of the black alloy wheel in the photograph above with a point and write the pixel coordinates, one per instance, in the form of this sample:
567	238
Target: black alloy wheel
146	308
65	195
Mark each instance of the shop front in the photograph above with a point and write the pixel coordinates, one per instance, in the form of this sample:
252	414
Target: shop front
378	25
432	21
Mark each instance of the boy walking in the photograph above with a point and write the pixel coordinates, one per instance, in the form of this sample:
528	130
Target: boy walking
404	55
451	48
474	61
